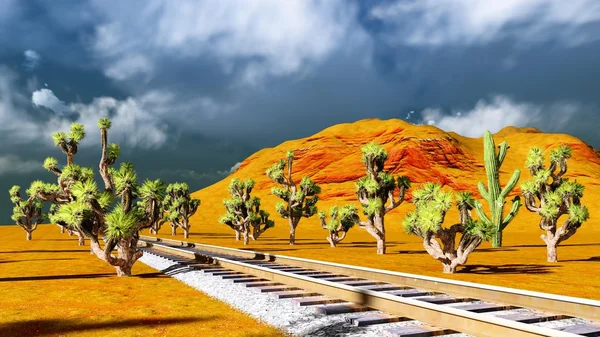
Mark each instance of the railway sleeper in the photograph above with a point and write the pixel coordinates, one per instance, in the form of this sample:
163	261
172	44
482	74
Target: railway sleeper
445	299
344	308
307	301
294	294
534	318
484	307
417	331
588	330
375	319
249	280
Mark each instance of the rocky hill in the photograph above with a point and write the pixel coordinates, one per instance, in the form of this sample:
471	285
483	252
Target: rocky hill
332	158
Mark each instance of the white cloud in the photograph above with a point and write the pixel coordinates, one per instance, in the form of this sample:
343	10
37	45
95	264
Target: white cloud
500	112
436	22
46	98
15	126
133	124
279	37
235	167
12	164
32	59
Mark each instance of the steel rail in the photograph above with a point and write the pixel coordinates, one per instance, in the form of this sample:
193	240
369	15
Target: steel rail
438	315
565	305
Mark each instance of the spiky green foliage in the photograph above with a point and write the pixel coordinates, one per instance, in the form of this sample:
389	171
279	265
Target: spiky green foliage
121	224
27	213
427	222
50	164
77	132
493	194
551	195
104	123
298	200
179	206
80	205
59	138
113	152
244	215
377	188
342	219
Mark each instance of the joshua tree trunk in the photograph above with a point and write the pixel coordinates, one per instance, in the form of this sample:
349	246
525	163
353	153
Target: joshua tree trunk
237	235
173	230
551	249
551	239
127	253
28	236
62	229
70	232
293	223
81	237
380	237
381	245
246	238
331	241
449	268
497	239
186	233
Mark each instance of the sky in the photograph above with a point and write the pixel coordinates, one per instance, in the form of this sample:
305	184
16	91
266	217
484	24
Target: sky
194	87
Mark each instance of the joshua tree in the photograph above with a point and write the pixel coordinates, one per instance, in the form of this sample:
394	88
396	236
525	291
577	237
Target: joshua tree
427	219
244	215
493	195
27	214
83	207
375	189
297	202
180	207
342	219
557	196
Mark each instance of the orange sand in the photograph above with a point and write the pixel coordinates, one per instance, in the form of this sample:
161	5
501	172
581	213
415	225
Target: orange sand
52	287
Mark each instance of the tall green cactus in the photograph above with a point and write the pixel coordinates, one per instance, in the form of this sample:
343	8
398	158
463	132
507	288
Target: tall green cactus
493	195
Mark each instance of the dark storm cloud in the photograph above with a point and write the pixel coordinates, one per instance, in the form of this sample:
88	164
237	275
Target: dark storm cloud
194	89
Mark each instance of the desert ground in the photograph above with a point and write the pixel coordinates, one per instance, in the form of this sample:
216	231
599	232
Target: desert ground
519	263
50	286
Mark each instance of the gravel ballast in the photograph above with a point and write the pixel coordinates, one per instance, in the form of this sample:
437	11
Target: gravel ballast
284	313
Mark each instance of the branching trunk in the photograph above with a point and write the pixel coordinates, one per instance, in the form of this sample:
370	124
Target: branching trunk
81	238
293	224
62	229
29	235
237	235
173	229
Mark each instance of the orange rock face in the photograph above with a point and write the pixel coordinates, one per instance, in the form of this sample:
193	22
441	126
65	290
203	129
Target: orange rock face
332	158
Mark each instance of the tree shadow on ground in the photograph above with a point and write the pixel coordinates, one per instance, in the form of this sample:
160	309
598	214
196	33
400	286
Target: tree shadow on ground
84	250
74	238
561	245
53	277
52	327
265	250
28	260
216	235
481	269
590	259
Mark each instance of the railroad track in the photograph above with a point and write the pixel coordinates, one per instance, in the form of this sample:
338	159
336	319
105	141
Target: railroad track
445	306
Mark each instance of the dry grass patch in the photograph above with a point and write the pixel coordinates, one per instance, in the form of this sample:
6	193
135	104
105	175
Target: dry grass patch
51	287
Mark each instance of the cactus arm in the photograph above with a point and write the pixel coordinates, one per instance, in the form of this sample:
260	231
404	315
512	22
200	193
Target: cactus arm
516	203
502	152
483	191
482	216
511	184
